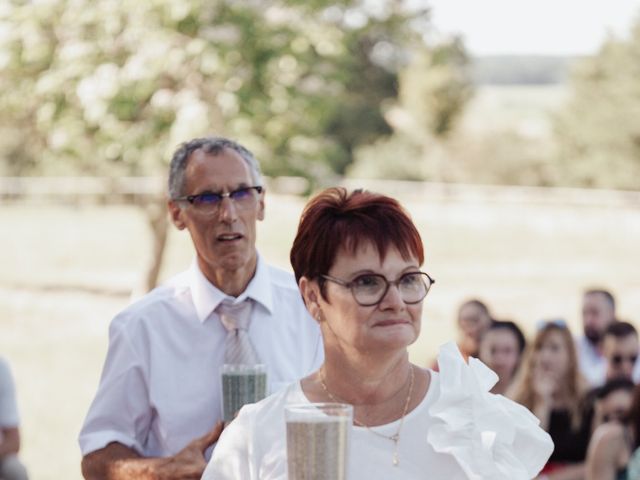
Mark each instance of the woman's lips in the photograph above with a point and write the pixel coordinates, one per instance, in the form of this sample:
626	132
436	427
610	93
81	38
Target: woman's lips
390	323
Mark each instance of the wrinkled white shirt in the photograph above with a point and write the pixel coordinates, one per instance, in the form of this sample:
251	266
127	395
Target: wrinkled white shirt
592	364
459	431
8	405
160	386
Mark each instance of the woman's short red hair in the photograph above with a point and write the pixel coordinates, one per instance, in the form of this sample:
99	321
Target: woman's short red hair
336	219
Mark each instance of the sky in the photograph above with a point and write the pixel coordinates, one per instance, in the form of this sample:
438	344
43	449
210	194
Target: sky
548	27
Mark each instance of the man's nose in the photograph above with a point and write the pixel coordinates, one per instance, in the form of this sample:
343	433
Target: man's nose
227	210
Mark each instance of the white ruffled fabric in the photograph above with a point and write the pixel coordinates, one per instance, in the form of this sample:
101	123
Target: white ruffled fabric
490	436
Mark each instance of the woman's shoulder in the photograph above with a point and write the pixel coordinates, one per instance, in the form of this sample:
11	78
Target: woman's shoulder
493	433
267	407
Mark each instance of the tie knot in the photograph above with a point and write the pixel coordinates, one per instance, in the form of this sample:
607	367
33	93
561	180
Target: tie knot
235	316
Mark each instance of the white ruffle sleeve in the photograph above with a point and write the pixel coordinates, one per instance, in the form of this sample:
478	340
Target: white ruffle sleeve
490	436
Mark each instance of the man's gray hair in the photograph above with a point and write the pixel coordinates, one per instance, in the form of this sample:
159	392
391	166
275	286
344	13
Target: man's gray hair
213	145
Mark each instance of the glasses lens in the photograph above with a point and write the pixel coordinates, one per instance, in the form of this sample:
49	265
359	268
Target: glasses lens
209	202
206	200
413	287
367	289
243	196
618	359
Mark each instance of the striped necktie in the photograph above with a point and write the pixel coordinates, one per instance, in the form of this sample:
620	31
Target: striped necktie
236	319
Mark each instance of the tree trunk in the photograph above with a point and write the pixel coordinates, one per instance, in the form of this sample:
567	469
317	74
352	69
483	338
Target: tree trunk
157	217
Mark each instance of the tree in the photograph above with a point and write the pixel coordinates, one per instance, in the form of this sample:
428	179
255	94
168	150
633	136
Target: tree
111	87
434	88
598	133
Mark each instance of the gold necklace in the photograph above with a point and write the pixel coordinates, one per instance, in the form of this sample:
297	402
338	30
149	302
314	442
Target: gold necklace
395	438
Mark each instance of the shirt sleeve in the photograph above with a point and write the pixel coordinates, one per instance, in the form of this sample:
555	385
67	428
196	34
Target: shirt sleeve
121	411
8	406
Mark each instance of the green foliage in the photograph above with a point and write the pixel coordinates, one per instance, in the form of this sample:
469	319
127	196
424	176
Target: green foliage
111	87
434	88
396	157
598	133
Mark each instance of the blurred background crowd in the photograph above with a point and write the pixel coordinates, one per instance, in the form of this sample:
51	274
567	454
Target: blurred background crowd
575	383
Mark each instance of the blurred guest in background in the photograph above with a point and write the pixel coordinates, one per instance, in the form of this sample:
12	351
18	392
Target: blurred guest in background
598	312
10	466
620	350
473	320
613	401
614	450
550	385
501	349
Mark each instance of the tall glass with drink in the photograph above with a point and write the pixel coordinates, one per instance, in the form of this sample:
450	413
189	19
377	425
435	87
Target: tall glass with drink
241	384
318	440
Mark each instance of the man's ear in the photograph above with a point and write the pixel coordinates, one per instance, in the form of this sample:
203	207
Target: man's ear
176	215
261	206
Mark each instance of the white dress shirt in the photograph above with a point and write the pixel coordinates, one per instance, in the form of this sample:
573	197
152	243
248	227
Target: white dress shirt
592	364
458	431
8	406
160	386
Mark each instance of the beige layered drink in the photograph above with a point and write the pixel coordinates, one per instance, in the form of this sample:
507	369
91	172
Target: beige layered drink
318	441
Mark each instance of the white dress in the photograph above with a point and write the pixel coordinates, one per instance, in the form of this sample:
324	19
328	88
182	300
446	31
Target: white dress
458	431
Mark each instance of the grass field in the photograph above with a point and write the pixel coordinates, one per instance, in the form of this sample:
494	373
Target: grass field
67	270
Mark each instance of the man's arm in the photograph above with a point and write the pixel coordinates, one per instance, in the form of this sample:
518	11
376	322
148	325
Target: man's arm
10	443
118	462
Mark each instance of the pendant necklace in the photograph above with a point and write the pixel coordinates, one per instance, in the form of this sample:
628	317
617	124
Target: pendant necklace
395	438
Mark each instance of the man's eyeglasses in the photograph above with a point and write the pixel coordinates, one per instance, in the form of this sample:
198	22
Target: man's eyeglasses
369	289
618	359
209	202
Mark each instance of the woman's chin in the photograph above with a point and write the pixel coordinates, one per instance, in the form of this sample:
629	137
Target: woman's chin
395	336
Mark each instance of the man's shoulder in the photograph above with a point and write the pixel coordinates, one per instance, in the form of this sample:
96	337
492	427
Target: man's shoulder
281	278
5	370
158	301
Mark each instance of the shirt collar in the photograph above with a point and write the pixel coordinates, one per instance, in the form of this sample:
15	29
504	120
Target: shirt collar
207	297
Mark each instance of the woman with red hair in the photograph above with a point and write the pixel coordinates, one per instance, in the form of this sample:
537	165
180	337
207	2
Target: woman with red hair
357	258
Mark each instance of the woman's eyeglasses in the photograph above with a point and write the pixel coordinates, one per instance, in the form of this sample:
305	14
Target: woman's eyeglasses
369	289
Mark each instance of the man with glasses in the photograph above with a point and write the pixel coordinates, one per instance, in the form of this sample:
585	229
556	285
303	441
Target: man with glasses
158	406
620	349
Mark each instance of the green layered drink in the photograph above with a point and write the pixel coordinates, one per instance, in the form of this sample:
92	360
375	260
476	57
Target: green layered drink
241	384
